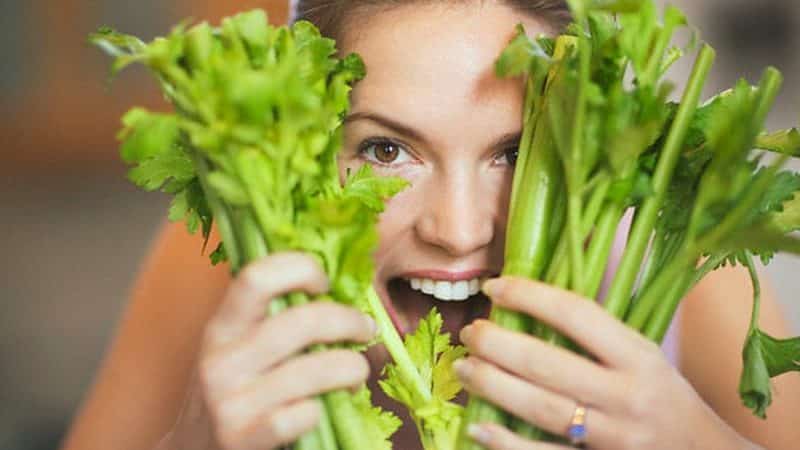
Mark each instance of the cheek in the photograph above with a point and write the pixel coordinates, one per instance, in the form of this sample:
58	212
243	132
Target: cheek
502	195
397	222
492	192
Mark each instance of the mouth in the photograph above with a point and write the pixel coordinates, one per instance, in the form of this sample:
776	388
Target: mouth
458	299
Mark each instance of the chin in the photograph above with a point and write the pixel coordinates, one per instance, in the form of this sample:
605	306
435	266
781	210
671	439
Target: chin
457	296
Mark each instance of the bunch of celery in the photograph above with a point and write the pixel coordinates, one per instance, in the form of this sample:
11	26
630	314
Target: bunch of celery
252	146
601	137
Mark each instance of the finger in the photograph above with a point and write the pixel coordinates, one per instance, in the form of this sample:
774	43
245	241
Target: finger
543	364
496	437
582	320
246	300
533	404
283	335
283	426
298	378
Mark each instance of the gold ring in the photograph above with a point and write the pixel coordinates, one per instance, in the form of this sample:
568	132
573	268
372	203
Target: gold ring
577	427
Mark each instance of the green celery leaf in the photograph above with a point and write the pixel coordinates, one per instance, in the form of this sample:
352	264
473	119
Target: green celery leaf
761	240
433	356
154	173
219	256
445	382
253	29
179	207
764	358
787	220
379	424
372	190
427	343
785	186
124	48
190	206
764	232
783	141
521	56
146	134
615	6
352	67
200	46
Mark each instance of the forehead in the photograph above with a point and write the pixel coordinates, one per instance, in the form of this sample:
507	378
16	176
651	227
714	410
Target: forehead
429	59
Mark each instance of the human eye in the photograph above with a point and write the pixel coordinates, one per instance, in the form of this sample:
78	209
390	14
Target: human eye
508	156
384	151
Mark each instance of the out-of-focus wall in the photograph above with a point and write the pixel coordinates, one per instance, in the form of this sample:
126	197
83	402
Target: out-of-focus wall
74	231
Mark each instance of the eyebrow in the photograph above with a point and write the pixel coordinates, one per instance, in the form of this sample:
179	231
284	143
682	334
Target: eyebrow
506	140
388	123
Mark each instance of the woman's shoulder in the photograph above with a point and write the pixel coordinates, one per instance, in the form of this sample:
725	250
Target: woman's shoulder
148	367
713	324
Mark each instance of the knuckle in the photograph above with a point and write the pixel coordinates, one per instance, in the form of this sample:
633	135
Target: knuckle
275	428
326	312
568	314
250	278
335	367
326	321
354	364
227	413
651	349
212	375
518	288
481	376
307	266
544	408
587	307
641	401
308	320
652	363
544	373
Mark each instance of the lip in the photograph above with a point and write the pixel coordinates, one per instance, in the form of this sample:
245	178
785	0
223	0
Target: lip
447	275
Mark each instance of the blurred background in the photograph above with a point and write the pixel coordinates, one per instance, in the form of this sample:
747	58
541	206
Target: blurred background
74	230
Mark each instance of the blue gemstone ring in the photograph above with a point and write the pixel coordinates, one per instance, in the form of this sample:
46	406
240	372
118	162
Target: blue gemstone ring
577	427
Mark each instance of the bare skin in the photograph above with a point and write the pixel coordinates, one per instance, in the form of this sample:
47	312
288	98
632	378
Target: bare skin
196	362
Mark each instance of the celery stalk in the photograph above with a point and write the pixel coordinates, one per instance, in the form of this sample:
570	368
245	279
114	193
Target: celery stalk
620	292
536	181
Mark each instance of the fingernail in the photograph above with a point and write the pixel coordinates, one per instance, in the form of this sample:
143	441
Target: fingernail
462	368
478	433
492	287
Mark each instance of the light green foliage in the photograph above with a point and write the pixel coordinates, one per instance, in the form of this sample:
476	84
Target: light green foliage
783	141
252	143
764	358
437	418
378	423
600	136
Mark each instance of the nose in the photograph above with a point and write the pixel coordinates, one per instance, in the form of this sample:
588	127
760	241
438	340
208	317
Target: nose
458	214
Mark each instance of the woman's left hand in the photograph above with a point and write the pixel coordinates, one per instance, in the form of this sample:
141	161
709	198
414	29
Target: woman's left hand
633	397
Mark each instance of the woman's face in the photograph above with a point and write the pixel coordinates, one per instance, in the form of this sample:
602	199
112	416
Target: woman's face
432	111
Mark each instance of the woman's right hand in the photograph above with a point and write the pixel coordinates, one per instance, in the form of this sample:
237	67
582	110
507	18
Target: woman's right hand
255	386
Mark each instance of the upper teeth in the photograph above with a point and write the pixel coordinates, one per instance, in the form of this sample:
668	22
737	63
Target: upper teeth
447	290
